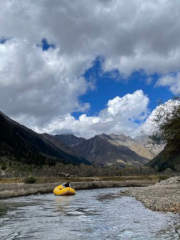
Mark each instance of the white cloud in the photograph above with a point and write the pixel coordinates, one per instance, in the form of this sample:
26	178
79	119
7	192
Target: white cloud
37	87
171	81
131	35
120	115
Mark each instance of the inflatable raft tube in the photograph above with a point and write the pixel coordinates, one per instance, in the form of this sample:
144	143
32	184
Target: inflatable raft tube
62	191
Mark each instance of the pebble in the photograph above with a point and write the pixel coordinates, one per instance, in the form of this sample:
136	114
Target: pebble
163	196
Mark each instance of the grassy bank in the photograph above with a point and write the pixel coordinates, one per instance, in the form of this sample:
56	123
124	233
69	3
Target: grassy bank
86	179
17	187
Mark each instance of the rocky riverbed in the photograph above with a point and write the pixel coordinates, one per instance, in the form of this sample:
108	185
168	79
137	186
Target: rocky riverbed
163	196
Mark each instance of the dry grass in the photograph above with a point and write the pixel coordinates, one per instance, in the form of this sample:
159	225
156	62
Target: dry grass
14	187
86	179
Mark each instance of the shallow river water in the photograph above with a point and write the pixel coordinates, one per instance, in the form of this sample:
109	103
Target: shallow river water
90	214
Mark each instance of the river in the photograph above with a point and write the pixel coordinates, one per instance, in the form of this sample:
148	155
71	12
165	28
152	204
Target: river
90	214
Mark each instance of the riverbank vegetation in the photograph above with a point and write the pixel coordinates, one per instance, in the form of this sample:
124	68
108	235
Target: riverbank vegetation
168	121
42	180
19	172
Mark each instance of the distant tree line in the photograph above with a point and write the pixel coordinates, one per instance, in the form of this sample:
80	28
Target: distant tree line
9	168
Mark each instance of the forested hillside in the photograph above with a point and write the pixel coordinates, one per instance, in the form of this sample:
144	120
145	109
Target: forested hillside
20	143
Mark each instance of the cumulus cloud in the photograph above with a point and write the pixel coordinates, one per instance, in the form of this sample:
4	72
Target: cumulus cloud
171	81
122	115
37	87
131	35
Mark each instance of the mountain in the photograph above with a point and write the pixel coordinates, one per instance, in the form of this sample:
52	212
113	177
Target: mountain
148	143
122	140
168	158
113	149
70	139
20	143
61	145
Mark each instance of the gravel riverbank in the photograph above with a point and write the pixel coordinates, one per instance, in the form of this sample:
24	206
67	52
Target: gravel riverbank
8	190
163	196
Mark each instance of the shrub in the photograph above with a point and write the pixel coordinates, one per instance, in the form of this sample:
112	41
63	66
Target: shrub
30	180
3	166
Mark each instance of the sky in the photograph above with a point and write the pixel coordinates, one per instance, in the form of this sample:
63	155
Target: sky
88	67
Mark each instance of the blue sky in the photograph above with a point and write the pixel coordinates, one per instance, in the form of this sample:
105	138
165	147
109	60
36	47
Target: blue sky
110	85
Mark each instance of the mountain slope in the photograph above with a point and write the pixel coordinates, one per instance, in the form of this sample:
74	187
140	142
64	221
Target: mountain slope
70	139
168	158
122	140
152	147
21	143
61	145
100	150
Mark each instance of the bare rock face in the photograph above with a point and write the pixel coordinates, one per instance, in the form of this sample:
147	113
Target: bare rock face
122	140
114	149
153	148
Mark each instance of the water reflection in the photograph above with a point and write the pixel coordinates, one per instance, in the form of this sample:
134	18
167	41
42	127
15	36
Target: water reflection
63	203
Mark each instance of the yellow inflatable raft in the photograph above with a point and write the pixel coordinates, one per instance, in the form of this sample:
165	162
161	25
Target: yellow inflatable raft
63	191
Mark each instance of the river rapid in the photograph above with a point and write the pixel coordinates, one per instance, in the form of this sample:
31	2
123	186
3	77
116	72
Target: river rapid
90	214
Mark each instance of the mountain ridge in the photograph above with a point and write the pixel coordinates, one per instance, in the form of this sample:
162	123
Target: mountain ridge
102	149
148	143
69	139
99	150
27	146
